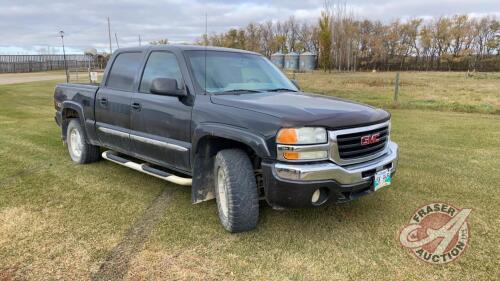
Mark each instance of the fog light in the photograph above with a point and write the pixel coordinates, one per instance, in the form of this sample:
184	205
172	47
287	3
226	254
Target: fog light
320	196
316	195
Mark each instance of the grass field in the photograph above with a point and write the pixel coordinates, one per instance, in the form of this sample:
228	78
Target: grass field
443	91
61	221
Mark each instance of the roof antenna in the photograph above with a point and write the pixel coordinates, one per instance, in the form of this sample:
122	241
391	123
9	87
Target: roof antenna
206	43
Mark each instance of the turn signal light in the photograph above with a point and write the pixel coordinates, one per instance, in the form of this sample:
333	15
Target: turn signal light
305	155
291	155
287	136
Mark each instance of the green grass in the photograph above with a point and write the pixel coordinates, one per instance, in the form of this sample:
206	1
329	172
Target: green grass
60	221
442	91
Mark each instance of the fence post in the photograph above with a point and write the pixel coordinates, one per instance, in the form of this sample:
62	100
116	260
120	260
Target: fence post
396	89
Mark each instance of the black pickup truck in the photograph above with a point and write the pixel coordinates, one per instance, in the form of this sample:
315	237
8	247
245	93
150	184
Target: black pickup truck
229	124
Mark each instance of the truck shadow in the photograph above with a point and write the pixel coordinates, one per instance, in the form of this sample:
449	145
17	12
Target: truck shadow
373	210
368	210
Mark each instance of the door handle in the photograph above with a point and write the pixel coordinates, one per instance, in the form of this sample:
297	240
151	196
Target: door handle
103	101
136	106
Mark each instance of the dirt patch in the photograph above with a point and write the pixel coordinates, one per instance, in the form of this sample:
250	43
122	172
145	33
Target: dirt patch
25	172
13	78
7	274
116	265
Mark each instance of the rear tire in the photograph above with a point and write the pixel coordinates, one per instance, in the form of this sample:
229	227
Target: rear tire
236	191
79	149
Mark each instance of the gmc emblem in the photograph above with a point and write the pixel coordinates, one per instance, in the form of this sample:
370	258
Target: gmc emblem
369	139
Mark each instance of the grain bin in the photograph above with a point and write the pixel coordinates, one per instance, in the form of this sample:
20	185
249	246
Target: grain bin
292	61
307	61
278	59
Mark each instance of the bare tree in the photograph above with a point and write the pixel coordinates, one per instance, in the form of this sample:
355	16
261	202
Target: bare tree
455	43
325	39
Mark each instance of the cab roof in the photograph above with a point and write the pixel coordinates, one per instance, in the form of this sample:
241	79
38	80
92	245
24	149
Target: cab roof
181	47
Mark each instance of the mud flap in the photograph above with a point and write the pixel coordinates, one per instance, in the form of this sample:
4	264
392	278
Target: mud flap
203	188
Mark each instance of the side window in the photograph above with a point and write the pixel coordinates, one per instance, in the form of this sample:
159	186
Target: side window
160	64
122	73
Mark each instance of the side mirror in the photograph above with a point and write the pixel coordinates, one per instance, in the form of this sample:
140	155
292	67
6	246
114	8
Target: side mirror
166	87
295	83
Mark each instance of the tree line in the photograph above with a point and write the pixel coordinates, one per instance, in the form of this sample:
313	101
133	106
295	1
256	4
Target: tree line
345	43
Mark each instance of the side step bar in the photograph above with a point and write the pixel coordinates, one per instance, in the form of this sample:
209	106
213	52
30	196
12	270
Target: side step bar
145	168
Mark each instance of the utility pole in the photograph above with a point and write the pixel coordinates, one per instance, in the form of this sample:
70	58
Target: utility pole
109	35
116	38
139	40
61	33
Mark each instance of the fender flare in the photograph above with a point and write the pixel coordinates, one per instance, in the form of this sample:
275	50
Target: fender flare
254	141
203	184
78	108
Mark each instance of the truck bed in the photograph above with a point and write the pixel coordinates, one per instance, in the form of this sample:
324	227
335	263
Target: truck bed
79	97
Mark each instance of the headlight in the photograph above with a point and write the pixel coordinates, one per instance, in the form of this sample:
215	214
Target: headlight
304	135
302	144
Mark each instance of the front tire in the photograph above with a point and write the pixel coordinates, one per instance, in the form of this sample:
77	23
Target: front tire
79	149
236	191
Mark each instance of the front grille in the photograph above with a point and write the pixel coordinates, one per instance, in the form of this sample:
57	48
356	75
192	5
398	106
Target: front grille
350	147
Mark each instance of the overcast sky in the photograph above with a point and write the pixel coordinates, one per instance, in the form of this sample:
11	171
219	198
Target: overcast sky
26	26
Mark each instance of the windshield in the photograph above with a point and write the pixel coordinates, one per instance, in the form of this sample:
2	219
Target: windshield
228	72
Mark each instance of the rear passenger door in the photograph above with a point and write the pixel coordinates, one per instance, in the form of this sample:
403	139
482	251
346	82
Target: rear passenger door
160	125
112	104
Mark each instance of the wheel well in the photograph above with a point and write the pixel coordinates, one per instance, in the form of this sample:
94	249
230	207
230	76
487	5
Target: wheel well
67	114
70	113
209	146
204	155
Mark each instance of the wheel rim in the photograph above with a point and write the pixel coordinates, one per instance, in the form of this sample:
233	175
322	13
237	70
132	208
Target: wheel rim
221	190
75	143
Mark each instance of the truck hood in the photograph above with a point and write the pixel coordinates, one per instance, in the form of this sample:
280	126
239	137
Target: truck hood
305	109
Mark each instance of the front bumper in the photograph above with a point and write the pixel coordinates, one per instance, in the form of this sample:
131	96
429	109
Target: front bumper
292	185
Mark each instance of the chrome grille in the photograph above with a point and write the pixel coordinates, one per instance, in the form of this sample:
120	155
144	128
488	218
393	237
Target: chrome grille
350	145
347	147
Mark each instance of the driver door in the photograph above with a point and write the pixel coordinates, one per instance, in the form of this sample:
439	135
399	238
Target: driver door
160	125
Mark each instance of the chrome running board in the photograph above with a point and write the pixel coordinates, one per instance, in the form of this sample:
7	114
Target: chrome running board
145	168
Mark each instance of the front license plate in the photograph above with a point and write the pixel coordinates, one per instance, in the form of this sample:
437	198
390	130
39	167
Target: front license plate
382	179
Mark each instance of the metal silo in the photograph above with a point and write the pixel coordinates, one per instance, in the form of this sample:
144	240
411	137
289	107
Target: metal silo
278	59
307	61
292	61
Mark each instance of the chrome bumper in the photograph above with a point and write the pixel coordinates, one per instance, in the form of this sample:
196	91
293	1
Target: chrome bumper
351	174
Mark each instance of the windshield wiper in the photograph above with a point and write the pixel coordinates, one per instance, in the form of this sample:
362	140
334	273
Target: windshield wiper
280	90
240	91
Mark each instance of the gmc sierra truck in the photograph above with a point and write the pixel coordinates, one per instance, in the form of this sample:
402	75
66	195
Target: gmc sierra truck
229	124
